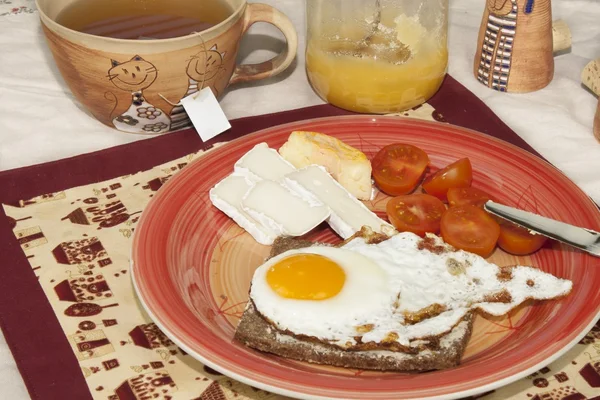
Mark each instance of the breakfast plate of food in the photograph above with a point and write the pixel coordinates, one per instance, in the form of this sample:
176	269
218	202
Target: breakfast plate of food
350	257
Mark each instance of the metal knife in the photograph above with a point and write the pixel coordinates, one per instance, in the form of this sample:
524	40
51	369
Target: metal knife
581	238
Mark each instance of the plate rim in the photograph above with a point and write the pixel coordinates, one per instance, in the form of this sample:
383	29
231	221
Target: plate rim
373	119
300	395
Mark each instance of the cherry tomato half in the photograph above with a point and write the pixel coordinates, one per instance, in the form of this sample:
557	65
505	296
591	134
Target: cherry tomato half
470	228
459	174
398	168
467	195
416	213
518	241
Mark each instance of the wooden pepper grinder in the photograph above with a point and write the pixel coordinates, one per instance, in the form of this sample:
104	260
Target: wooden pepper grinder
590	77
516	43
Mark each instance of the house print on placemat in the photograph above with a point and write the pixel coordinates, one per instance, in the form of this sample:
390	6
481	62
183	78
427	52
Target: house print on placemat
214	391
156	183
135	76
83	251
78	289
201	70
90	344
497	48
149	336
152	385
105	215
591	373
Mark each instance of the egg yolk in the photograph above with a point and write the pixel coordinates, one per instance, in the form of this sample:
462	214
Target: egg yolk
306	277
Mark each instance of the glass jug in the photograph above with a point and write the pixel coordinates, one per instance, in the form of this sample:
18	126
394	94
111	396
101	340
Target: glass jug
376	56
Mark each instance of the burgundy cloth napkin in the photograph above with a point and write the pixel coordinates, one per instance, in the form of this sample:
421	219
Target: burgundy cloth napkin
38	344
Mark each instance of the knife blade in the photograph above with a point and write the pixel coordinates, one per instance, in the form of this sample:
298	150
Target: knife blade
581	238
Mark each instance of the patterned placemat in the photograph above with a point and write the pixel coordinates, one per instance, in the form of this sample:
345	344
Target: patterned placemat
67	306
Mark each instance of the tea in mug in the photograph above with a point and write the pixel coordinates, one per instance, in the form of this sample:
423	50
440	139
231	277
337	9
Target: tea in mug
143	19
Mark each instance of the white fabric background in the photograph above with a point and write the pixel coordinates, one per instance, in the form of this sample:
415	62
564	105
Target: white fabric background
40	120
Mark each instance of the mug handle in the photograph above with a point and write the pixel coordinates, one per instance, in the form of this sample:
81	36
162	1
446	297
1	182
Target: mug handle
258	12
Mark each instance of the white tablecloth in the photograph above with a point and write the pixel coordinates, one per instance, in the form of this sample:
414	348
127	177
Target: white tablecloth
40	120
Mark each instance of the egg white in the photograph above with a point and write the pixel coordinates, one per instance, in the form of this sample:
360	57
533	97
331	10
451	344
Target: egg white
385	280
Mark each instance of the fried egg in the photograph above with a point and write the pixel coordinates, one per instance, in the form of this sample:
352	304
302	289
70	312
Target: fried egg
401	289
325	289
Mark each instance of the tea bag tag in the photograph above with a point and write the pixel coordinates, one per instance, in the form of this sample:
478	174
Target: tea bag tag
206	114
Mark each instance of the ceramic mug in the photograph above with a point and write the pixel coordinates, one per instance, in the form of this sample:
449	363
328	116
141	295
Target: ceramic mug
98	69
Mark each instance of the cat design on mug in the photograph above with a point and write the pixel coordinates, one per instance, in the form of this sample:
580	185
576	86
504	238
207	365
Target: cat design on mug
201	69
135	76
205	66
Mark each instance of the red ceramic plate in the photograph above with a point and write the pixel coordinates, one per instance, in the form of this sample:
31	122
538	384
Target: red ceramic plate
192	267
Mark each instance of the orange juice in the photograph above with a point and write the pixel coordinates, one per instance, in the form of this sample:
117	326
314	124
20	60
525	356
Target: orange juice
382	76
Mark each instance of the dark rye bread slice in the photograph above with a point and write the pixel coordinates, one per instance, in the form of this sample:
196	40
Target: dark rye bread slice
254	331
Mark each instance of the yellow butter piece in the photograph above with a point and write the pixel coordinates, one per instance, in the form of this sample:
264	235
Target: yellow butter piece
349	166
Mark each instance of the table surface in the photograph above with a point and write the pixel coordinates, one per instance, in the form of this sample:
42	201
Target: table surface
41	121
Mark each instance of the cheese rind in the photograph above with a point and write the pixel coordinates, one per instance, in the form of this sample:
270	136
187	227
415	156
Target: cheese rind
349	166
348	215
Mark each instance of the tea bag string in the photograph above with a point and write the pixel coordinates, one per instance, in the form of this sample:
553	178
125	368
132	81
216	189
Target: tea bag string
201	83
